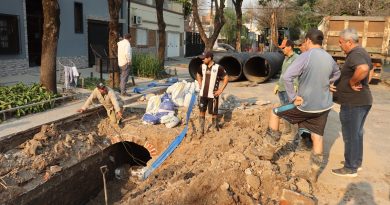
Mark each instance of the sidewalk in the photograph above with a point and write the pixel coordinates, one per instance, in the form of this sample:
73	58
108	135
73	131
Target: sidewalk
14	126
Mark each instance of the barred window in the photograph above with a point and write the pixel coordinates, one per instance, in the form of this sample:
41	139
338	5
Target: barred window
9	34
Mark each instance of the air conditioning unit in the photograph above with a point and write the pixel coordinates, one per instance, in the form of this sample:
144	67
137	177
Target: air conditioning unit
137	20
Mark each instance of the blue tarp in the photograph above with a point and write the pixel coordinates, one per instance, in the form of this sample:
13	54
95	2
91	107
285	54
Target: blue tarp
174	144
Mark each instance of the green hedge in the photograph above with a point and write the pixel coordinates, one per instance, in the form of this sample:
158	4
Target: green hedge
146	65
20	94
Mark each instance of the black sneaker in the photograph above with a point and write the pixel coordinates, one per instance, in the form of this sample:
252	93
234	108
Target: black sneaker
358	169
344	172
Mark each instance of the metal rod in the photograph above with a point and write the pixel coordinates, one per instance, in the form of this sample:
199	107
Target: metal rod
103	170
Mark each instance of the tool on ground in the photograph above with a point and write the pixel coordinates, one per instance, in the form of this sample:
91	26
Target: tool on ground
103	170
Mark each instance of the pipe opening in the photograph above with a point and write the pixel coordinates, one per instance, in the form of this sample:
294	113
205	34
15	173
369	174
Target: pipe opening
194	67
232	67
257	69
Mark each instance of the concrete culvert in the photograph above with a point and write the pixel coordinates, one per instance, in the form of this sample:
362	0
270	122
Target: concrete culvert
262	67
233	64
195	63
194	67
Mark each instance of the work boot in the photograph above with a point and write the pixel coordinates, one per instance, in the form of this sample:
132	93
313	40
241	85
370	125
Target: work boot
215	125
201	124
315	164
269	145
286	127
273	135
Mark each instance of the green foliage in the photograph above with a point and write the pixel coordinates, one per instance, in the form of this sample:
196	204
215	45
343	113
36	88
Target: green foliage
146	65
90	83
229	28
305	18
20	94
187	7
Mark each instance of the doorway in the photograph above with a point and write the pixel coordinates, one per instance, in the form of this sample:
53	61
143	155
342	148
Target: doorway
34	13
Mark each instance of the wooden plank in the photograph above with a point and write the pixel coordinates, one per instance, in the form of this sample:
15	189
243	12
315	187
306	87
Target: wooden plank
358	18
386	39
364	34
368	34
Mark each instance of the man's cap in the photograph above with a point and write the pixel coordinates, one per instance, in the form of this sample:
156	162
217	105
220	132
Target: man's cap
100	85
286	43
207	54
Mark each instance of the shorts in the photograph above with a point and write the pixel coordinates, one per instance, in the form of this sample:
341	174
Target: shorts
314	122
208	103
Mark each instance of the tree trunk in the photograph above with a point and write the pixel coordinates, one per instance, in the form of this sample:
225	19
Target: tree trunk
274	32
161	32
51	30
219	21
237	7
113	36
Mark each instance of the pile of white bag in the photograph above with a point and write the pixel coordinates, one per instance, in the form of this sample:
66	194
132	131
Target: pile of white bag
181	92
161	108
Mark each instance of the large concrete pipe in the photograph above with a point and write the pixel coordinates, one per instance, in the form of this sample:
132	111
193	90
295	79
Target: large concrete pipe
260	68
196	62
233	64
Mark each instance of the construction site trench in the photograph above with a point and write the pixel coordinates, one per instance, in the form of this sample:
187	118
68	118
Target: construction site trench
62	162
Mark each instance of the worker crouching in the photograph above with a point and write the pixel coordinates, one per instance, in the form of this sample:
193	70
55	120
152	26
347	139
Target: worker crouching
110	101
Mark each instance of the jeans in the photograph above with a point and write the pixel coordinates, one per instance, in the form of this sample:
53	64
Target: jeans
283	97
125	72
352	121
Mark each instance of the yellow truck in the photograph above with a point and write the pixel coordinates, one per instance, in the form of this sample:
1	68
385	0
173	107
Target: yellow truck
374	36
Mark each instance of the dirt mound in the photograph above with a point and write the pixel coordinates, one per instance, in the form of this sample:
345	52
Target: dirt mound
217	168
220	167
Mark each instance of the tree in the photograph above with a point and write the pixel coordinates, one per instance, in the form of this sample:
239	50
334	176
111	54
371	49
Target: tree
237	7
161	31
51	30
228	30
305	16
272	8
351	7
219	21
113	8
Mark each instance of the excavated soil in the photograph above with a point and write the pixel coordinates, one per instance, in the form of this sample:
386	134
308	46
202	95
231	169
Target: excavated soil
217	168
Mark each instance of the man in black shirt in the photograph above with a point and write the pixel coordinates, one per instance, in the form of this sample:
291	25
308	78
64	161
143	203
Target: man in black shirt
352	92
208	78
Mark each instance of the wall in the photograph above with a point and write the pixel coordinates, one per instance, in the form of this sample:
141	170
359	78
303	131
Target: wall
174	23
14	64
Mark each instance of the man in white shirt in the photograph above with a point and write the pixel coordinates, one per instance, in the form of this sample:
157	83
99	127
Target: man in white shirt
124	61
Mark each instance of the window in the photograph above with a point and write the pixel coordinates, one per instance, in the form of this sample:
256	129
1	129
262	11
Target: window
78	17
142	37
9	34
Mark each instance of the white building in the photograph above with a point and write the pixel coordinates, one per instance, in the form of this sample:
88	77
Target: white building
143	27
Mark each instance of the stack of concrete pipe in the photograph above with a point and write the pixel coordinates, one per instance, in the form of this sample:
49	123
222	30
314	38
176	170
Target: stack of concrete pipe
254	67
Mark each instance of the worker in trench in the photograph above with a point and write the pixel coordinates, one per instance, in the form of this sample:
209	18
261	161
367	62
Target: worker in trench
110	101
208	78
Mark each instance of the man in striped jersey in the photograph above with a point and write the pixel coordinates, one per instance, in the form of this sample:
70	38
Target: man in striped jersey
208	78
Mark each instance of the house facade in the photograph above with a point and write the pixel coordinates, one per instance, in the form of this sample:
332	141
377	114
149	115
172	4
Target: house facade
144	27
83	23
